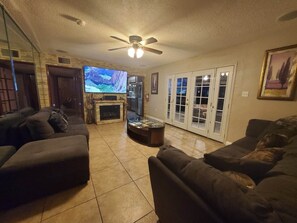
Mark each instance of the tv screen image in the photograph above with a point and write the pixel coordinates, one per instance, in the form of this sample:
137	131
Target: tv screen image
102	80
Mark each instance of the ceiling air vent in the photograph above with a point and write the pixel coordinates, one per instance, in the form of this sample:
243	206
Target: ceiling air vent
63	60
14	53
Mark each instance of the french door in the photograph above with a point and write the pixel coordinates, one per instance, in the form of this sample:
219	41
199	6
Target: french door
199	101
220	103
181	100
169	100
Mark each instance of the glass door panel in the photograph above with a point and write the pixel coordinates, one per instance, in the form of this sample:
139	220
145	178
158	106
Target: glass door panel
181	100
199	106
169	100
221	102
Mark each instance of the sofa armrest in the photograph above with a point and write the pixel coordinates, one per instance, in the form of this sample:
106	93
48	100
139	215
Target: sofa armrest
174	200
256	127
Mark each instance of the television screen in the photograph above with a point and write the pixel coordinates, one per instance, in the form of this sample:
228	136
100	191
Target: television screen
102	80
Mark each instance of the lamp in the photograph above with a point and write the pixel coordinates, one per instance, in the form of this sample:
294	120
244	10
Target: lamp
135	51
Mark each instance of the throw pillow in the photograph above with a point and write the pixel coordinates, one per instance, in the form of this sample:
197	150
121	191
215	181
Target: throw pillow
39	127
270	155
284	126
241	179
61	112
272	140
58	122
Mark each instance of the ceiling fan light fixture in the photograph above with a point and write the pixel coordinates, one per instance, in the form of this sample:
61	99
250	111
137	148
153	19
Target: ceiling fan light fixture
134	52
131	52
139	53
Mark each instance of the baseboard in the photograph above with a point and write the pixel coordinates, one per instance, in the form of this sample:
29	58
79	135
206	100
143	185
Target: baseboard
228	143
152	117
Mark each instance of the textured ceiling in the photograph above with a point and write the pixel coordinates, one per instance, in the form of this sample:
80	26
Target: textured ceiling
183	28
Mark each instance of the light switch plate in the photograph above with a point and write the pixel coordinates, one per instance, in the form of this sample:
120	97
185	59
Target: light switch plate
245	94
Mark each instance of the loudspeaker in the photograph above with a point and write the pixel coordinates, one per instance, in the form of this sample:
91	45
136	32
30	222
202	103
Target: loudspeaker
110	97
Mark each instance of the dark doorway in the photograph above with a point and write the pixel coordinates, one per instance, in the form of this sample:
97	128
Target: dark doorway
65	86
26	83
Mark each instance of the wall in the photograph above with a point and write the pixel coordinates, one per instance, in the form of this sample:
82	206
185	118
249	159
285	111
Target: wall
52	59
249	59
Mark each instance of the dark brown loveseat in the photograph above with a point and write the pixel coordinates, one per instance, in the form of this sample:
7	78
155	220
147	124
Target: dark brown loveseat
188	190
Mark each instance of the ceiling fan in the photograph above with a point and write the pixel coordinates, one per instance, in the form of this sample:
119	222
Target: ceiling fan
136	46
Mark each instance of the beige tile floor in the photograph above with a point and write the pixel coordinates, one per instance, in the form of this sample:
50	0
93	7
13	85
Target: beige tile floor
119	190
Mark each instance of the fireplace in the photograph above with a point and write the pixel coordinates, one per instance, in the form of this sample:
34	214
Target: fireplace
108	112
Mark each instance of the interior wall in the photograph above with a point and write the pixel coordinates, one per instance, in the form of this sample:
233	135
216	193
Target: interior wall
249	58
52	59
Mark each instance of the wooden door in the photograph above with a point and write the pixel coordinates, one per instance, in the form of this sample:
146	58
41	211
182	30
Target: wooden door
66	89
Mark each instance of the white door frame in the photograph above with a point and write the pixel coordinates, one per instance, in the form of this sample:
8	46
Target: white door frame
169	119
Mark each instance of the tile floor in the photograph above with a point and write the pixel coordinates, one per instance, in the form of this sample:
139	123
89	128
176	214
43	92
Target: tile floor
119	190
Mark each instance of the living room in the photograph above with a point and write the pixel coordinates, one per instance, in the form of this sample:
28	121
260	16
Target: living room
196	40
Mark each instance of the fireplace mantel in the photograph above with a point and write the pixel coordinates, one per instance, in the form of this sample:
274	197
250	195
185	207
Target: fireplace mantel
98	103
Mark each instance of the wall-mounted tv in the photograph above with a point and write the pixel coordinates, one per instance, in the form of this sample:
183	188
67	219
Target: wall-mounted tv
102	80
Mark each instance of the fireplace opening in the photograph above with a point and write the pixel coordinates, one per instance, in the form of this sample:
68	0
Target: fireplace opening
108	112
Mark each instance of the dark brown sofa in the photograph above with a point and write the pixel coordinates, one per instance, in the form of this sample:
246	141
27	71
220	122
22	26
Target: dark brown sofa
188	190
41	161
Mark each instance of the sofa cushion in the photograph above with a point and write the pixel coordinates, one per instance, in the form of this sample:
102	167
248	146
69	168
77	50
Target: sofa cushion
5	153
58	122
255	169
284	126
281	192
241	179
75	120
256	127
248	143
287	165
43	167
73	130
27	111
39	127
6	122
235	151
173	158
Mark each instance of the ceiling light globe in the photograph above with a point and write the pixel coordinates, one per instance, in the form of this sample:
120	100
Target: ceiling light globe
139	53
131	52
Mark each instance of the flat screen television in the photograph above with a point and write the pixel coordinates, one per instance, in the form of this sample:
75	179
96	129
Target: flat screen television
102	80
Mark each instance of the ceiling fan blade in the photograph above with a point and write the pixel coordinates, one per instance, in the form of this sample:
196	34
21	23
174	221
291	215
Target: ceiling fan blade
117	38
117	48
152	50
149	41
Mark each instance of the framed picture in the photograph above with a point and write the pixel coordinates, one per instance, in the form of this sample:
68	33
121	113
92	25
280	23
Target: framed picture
278	76
154	83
